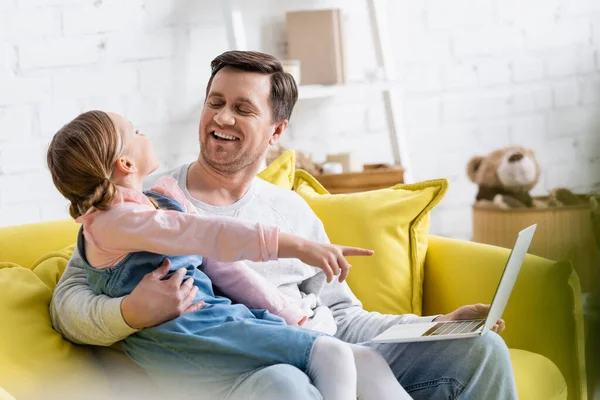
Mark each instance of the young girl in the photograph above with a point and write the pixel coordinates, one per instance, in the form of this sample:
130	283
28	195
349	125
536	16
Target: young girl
98	162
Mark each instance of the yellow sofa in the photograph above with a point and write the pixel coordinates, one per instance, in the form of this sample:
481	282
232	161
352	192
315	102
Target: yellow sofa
411	272
544	316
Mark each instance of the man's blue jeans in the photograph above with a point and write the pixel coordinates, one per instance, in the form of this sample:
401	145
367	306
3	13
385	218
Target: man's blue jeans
477	368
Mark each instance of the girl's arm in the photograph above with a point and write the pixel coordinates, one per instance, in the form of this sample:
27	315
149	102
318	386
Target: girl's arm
242	284
130	227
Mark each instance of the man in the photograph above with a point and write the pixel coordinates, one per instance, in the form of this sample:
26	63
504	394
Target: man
249	100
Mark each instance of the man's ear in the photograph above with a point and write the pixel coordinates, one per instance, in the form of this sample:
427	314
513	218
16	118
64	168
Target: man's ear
126	166
279	128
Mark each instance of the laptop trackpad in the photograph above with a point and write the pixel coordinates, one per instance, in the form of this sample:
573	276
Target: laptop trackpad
398	333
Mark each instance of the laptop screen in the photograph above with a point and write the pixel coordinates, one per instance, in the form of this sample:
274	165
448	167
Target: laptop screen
509	276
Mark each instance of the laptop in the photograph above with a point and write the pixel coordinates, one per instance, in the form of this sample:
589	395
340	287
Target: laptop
419	332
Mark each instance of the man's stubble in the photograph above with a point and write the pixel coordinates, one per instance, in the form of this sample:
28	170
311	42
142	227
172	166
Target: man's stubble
234	162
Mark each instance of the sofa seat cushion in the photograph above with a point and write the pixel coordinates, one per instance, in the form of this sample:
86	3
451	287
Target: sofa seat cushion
537	377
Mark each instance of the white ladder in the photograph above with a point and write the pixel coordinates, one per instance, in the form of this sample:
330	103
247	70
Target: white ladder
383	52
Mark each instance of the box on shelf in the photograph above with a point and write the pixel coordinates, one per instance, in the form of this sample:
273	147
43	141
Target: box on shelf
314	38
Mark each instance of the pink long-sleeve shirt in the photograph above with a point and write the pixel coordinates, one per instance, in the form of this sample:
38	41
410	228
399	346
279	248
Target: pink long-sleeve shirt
134	224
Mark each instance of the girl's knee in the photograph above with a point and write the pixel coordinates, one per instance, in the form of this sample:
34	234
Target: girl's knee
281	381
367	357
335	348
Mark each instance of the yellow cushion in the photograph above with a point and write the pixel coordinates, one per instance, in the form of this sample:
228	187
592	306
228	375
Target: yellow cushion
281	171
394	222
34	358
22	244
537	377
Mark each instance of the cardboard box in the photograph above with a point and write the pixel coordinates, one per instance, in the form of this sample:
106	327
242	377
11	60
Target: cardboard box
315	39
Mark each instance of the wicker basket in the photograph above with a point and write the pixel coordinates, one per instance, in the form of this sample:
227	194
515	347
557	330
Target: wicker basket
563	233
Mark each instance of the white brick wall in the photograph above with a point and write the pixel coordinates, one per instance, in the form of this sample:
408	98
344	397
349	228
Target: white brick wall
59	51
89	18
478	75
527	68
473	75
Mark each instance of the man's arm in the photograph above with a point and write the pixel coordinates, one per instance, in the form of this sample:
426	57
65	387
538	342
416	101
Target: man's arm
84	317
354	324
80	315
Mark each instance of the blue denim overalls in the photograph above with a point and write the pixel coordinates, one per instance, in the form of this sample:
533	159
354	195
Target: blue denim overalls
222	340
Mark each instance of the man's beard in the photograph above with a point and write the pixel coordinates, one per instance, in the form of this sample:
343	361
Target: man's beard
235	162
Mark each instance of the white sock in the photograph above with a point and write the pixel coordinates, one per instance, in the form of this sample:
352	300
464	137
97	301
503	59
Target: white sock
331	369
375	379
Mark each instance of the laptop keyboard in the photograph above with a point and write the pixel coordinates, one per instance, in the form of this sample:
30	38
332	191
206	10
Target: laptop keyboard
454	328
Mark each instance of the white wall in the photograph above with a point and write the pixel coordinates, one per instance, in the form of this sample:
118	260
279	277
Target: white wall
147	59
473	75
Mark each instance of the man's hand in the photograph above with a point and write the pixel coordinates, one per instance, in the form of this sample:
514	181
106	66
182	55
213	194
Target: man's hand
475	311
154	301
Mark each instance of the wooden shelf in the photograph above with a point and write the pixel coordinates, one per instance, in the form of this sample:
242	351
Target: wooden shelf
386	75
352	182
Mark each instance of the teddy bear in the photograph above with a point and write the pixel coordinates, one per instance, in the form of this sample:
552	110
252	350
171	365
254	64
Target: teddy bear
506	176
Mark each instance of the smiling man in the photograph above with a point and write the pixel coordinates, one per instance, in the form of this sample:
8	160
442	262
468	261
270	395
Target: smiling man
228	146
249	101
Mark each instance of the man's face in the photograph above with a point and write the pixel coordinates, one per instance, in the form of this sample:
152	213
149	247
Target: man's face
236	125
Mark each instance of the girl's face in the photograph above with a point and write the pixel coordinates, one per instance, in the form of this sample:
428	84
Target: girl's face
137	149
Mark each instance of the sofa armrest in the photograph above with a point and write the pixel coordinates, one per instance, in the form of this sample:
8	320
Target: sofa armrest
543	315
23	244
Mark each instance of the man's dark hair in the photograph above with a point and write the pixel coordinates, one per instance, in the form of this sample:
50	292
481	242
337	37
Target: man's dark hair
284	92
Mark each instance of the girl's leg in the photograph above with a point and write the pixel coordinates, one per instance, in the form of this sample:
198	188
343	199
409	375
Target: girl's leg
375	378
275	382
332	370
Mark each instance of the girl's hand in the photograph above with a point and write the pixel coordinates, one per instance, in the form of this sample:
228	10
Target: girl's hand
328	257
